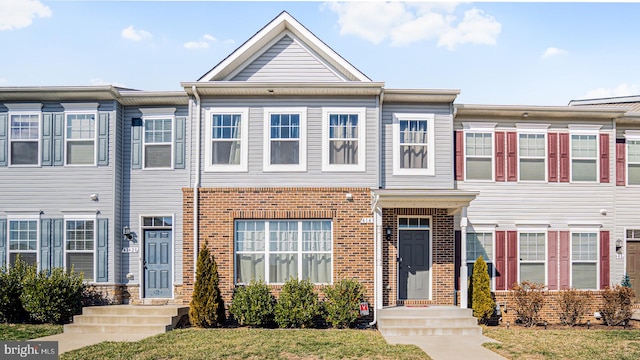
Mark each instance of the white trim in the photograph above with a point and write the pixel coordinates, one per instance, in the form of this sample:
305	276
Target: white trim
24	107
430	229
479	126
596	261
25	217
532	128
141	274
144	144
632	134
480	130
80	107
362	150
158	112
485	230
635	137
10	140
584	129
302	144
533	131
244	139
535	230
583	132
430	119
95	242
66	138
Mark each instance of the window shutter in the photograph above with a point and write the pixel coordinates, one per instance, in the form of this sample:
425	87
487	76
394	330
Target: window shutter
457	258
4	142
47	139
565	266
499	135
459	157
136	143
512	156
604	158
552	139
565	162
501	273
58	139
46	259
103	139
604	259
512	258
621	162
180	143
3	242
102	255
57	248
553	260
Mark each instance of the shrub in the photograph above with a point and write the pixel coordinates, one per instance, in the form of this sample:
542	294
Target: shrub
342	304
207	307
481	301
528	300
573	305
626	281
297	304
52	296
253	304
618	305
11	281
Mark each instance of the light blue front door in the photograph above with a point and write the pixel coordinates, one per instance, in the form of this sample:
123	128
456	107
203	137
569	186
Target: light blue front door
157	263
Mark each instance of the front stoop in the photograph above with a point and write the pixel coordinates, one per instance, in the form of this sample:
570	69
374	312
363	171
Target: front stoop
429	320
128	319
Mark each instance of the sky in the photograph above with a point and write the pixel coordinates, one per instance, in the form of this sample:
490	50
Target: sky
498	53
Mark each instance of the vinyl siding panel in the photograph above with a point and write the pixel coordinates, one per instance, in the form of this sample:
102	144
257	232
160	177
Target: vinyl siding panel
626	215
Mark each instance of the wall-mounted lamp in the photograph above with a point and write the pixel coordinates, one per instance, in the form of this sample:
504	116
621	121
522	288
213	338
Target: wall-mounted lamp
349	196
387	233
603	212
127	233
619	246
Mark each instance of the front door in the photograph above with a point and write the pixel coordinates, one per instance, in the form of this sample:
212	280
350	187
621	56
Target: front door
633	266
413	264
157	263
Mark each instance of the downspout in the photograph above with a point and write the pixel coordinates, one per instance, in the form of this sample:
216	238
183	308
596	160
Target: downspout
377	228
196	183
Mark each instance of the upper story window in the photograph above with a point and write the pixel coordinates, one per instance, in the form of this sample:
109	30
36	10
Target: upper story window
633	159
23	241
343	147
479	155
80	139
584	157
285	139
158	140
533	154
413	144
533	256
226	147
584	260
25	139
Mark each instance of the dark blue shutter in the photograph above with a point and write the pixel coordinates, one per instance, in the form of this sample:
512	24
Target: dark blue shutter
180	143
103	139
4	123
47	139
57	243
58	139
46	258
136	143
103	241
3	242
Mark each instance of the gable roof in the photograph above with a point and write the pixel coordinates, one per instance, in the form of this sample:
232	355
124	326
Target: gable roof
283	25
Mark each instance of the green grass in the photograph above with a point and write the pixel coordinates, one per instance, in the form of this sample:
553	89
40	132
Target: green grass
521	343
246	343
27	331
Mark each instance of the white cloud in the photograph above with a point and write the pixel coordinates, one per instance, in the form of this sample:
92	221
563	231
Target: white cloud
620	90
553	51
405	23
132	34
17	14
202	43
99	81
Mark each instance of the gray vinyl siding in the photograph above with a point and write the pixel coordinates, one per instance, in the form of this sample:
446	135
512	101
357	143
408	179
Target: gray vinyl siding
443	177
286	61
626	215
314	176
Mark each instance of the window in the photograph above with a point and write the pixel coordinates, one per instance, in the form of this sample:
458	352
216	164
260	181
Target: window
584	260
79	247
532	151
158	139
227	145
276	250
25	139
343	147
633	162
23	241
285	140
157	221
633	234
584	156
80	139
479	155
533	257
413	144
480	244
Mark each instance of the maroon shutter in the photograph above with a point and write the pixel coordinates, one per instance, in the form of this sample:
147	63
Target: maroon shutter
621	163
604	158
457	259
565	246
512	156
553	156
459	149
512	258
565	162
500	261
604	259
553	260
499	155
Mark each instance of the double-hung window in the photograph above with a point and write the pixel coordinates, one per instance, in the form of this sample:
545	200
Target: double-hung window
533	255
533	154
23	241
80	138
480	244
226	147
158	143
584	152
633	158
285	143
413	144
79	247
24	134
277	250
584	260
478	155
343	139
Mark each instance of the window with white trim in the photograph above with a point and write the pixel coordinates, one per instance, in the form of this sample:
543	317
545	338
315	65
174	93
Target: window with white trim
533	256
478	155
285	147
80	139
158	143
277	250
24	135
633	161
633	234
343	139
584	260
413	144
79	247
480	244
533	154
584	157
23	241
226	147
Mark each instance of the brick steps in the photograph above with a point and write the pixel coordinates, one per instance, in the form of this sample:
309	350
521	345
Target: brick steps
430	320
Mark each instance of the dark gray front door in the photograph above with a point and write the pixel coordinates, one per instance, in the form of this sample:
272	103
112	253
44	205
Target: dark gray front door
413	264
157	263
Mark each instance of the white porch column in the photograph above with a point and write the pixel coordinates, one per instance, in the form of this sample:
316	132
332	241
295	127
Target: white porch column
464	301
378	287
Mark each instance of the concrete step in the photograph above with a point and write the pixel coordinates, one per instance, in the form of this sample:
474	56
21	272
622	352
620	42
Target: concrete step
419	331
430	320
115	329
170	310
122	320
430	311
128	319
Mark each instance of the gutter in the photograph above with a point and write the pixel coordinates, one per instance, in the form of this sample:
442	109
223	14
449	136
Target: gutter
196	183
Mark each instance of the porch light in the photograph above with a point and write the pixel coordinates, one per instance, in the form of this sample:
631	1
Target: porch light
619	246
588	324
388	233
127	233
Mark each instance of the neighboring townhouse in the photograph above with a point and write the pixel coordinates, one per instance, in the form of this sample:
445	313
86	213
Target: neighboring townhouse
287	161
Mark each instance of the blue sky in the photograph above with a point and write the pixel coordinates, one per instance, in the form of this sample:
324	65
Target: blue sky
541	53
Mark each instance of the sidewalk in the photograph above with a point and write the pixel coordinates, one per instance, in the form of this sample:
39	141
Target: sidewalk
68	342
450	347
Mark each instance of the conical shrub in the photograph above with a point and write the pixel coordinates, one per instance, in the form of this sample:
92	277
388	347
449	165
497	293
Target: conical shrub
207	307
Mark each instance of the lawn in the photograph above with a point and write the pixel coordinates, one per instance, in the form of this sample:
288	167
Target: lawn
521	343
27	331
246	343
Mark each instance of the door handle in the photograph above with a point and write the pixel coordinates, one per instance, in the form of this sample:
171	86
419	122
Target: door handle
144	265
399	259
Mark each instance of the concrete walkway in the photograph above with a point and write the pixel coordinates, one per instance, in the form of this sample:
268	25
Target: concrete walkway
68	342
450	347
